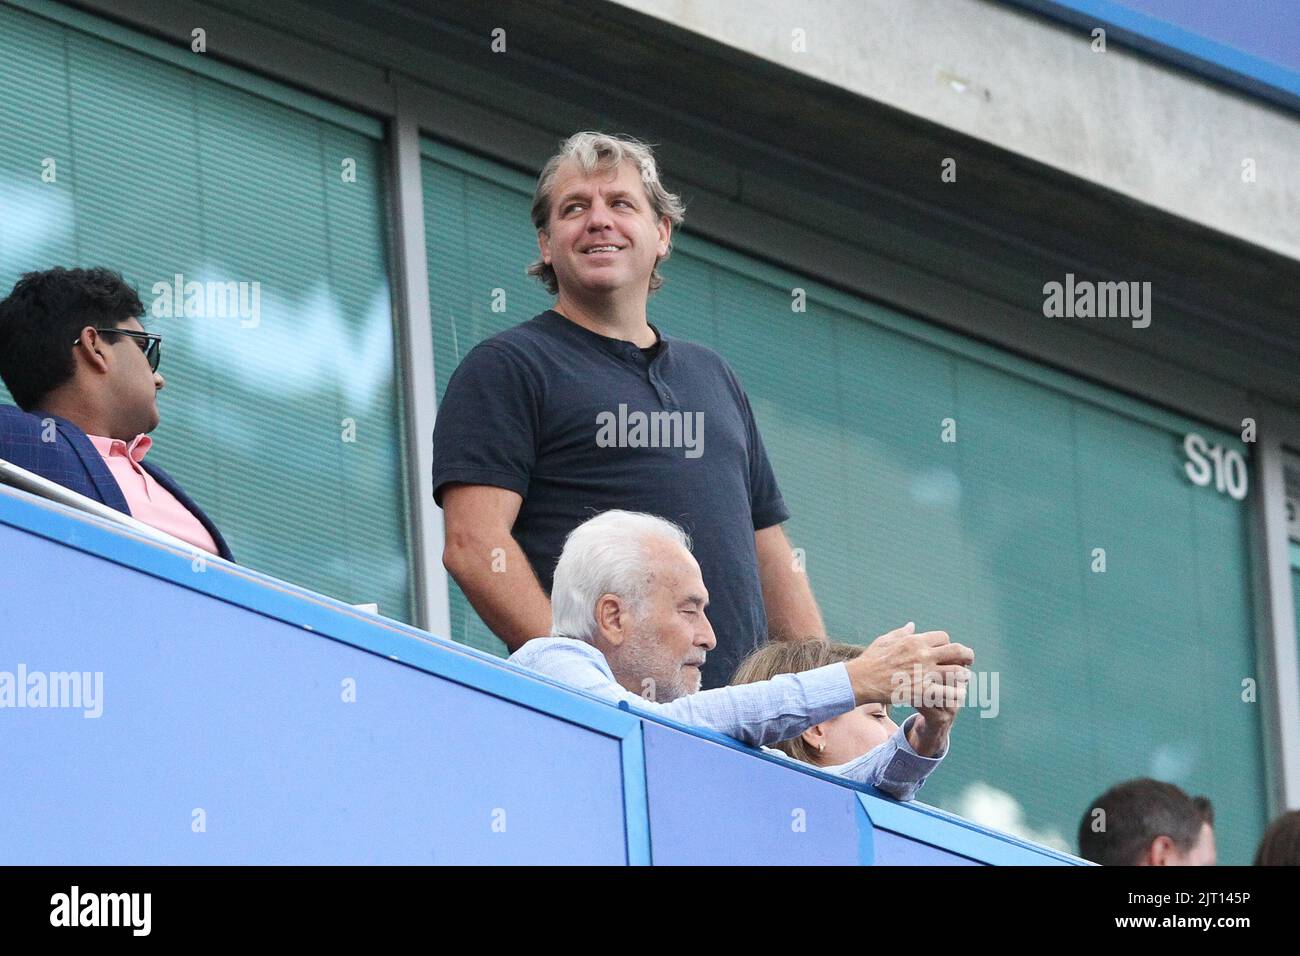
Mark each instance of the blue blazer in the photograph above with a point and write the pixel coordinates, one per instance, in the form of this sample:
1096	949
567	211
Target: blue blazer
72	461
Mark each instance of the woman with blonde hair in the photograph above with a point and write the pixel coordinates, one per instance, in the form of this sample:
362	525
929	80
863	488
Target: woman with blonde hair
864	744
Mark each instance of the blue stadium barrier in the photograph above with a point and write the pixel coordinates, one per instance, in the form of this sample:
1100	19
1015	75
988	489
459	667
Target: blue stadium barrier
240	719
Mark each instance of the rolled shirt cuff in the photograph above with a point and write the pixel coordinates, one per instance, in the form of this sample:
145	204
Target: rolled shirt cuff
907	766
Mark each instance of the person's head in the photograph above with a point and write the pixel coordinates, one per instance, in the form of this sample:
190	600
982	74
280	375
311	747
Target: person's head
627	583
1281	843
1147	822
601	191
65	342
833	741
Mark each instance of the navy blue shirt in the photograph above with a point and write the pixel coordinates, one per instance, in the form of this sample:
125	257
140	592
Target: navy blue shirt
579	423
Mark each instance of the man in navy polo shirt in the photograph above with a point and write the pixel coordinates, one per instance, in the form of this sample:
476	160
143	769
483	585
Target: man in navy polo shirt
588	407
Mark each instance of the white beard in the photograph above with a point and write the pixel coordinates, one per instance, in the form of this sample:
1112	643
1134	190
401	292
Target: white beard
640	660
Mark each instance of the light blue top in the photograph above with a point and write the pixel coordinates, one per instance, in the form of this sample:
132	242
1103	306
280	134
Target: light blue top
761	713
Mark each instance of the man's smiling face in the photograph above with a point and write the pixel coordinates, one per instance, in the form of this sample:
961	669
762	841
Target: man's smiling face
603	234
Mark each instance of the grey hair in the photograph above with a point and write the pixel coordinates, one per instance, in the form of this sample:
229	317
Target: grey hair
605	152
605	555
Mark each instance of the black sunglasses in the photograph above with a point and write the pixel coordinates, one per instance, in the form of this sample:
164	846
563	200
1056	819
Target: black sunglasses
150	343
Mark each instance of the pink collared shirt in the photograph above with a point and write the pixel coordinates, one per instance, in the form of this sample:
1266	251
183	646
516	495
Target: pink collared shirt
149	501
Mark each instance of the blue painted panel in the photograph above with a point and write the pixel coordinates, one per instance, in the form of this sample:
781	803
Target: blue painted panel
207	705
917	823
223	690
866	837
1254	47
295	605
893	849
635	801
711	804
930	826
1269	29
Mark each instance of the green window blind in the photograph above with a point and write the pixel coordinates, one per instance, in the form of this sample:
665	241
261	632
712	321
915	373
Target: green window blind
478	241
1295	589
284	425
1101	675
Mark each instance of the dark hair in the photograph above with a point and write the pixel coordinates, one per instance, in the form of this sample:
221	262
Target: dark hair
41	318
1136	812
1281	843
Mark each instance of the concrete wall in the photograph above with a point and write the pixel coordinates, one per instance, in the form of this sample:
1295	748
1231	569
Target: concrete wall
1117	119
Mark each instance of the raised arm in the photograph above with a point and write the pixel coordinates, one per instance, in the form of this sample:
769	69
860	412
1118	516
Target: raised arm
894	767
765	712
757	713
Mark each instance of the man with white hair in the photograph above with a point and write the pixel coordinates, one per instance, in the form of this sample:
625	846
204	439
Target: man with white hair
588	407
630	626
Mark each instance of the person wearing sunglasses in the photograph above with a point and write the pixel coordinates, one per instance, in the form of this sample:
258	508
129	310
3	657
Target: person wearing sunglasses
84	373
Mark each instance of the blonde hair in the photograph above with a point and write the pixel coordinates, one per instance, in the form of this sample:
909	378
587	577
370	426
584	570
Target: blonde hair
793	657
603	152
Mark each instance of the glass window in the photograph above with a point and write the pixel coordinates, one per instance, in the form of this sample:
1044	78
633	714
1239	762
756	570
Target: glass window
254	232
478	241
1044	521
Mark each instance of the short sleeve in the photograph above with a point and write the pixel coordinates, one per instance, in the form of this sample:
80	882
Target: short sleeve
766	505
487	424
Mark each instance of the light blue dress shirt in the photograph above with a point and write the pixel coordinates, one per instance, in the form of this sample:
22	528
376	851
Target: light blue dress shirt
761	713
